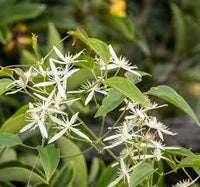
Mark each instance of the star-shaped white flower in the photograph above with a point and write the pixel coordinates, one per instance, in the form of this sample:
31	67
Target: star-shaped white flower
124	173
124	134
21	83
67	125
158	126
36	119
120	62
67	58
58	77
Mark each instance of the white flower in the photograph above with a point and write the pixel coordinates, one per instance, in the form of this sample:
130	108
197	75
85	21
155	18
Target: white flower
67	58
160	128
136	112
124	134
22	82
58	77
120	63
185	183
36	119
91	88
67	125
124	173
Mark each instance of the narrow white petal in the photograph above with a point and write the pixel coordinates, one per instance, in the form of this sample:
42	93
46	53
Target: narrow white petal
43	130
74	118
113	54
112	137
43	84
60	55
79	133
116	181
71	72
112	66
54	70
57	61
113	145
58	135
58	121
61	91
40	96
27	127
89	97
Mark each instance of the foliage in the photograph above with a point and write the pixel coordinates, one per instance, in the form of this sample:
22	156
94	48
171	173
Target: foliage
100	88
50	115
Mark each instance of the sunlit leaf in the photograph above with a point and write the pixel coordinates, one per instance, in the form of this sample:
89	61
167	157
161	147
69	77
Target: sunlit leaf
135	78
179	26
4	83
140	173
50	157
53	39
109	103
17	171
98	46
85	62
9	140
16	121
128	89
169	94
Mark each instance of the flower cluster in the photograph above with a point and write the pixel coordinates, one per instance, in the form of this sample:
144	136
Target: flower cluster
140	135
50	97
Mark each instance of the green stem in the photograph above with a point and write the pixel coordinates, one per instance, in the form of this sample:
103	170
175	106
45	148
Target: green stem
102	127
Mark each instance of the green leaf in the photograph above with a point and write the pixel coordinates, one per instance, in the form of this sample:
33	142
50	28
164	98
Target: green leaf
179	26
6	72
190	74
4	83
96	169
192	161
141	42
20	11
86	62
124	25
6	184
50	157
99	47
169	94
140	173
8	154
16	121
128	89
3	34
17	171
135	78
113	100
65	177
53	39
9	140
71	152
181	151
108	176
28	58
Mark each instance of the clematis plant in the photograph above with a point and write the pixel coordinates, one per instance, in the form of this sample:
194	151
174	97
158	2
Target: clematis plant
110	86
